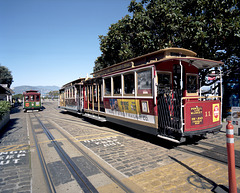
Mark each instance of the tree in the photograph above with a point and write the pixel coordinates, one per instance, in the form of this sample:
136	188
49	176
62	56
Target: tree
53	94
210	28
17	96
4	107
5	76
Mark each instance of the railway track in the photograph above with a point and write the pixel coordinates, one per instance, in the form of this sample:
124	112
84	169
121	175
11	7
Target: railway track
202	148
210	151
81	179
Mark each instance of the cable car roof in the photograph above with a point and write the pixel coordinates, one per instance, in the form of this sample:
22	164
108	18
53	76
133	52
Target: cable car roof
199	63
162	55
31	92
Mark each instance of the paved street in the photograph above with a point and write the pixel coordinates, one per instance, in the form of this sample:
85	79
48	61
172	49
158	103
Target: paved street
140	161
15	163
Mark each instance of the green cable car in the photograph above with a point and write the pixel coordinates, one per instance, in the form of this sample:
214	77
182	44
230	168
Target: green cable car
32	100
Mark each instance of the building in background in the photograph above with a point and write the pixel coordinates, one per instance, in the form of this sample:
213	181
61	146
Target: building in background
6	93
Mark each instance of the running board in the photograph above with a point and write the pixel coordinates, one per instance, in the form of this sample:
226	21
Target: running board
95	117
169	139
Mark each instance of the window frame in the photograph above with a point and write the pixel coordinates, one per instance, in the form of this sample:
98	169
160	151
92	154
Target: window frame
113	85
197	90
27	98
104	86
152	82
134	80
165	72
37	97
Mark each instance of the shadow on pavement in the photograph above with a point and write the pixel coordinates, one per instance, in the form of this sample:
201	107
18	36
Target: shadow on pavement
200	181
8	129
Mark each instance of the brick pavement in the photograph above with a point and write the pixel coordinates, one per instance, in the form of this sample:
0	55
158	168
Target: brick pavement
15	168
131	156
153	168
193	174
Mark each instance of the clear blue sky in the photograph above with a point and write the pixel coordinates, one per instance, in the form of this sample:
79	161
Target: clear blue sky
52	42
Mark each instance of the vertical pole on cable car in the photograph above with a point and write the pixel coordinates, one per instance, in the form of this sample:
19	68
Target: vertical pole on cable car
231	158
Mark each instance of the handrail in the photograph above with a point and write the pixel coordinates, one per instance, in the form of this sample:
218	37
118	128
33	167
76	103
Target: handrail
184	98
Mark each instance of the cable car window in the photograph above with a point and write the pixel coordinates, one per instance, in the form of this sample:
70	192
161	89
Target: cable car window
32	97
192	83
129	84
37	98
27	98
108	86
164	80
144	82
117	88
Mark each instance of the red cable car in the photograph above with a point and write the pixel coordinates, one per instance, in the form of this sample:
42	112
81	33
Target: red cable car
162	93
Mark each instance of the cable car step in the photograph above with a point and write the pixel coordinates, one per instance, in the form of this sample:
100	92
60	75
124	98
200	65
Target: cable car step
170	139
95	117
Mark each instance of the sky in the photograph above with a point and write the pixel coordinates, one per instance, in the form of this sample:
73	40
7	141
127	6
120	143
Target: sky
52	42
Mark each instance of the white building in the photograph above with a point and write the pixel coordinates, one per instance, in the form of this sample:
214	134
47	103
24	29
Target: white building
5	93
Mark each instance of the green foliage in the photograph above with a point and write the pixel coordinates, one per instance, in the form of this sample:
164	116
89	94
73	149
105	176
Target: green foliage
206	27
5	76
52	94
4	107
17	96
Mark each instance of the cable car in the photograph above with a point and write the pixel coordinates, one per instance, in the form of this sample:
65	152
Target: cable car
32	100
160	93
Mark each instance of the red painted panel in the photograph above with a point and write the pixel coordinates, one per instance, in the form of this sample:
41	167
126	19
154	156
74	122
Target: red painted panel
106	103
202	115
168	66
85	98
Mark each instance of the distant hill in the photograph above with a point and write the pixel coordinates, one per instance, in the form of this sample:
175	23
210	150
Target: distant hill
43	89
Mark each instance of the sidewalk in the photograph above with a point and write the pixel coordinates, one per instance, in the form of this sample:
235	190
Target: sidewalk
194	174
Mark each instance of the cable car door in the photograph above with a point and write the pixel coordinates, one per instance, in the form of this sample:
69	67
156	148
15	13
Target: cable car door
169	101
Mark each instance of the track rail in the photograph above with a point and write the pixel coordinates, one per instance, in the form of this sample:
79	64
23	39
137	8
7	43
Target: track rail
215	153
76	172
106	172
45	170
81	179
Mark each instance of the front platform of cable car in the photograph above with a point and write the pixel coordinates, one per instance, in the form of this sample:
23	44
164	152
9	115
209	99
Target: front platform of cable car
184	111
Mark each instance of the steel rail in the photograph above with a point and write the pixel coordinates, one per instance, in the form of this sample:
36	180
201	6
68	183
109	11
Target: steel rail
203	155
81	179
102	169
89	126
43	163
107	173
